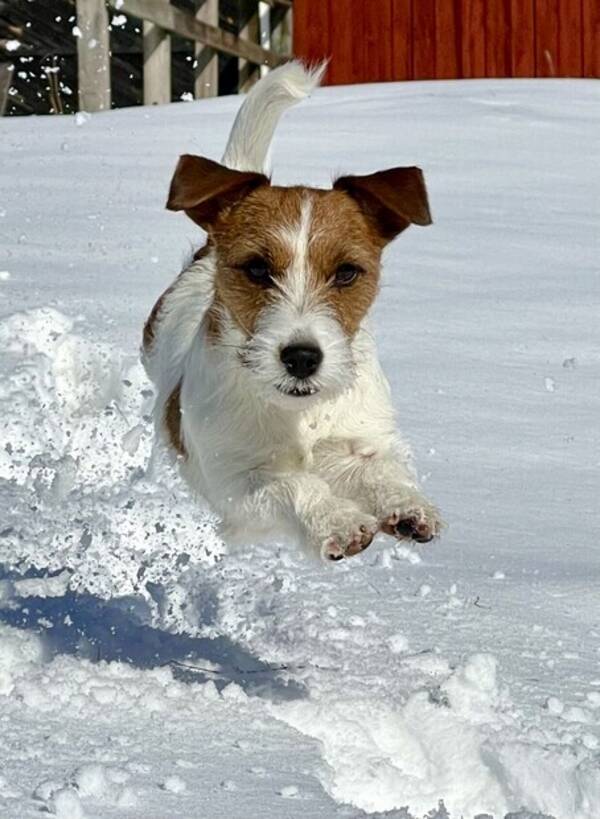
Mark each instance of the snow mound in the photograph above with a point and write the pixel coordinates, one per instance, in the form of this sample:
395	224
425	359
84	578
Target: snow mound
463	739
18	655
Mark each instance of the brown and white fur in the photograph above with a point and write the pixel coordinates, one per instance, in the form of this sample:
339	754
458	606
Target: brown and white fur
299	443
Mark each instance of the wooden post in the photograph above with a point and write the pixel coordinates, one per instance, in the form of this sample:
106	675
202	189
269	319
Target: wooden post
264	17
93	55
206	72
248	72
281	30
6	72
157	65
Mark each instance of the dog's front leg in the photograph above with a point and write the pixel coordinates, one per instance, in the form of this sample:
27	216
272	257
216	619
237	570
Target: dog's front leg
333	527
384	484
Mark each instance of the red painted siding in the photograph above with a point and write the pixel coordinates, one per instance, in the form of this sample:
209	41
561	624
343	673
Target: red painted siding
378	40
591	38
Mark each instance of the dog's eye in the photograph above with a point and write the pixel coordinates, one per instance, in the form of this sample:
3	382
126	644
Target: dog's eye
258	271
346	273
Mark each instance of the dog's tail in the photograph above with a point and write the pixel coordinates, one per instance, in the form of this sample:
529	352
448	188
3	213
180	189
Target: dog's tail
256	120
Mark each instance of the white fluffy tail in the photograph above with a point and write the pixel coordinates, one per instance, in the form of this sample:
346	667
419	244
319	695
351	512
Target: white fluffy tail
256	120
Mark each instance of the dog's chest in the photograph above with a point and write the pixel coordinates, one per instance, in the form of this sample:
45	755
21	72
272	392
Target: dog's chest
294	449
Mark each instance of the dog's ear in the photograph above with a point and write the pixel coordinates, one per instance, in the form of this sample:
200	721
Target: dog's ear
203	188
392	199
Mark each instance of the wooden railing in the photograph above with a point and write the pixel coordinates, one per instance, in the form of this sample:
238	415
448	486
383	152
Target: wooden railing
160	19
6	72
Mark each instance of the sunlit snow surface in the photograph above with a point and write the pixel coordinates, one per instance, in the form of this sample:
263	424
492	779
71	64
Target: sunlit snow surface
461	679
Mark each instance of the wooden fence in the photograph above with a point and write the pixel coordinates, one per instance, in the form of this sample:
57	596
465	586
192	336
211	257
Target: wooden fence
165	49
378	40
160	21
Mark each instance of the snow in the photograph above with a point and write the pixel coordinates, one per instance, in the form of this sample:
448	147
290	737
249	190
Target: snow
147	672
175	784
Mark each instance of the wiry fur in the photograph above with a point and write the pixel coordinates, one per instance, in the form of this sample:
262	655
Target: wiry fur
329	467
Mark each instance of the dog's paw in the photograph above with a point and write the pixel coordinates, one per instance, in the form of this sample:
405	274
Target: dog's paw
415	520
337	547
346	531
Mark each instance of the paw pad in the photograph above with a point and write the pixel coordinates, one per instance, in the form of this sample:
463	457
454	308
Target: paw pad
415	524
416	529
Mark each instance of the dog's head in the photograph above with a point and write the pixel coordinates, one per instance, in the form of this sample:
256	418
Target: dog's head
297	268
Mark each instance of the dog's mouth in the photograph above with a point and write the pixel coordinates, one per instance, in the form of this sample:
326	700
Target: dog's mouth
289	390
298	392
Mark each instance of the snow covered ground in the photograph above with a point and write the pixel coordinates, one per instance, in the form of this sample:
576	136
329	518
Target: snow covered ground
146	673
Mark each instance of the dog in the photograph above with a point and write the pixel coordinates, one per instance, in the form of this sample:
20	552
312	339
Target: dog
269	389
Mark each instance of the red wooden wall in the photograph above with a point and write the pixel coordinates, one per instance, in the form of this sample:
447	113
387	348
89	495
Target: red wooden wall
377	40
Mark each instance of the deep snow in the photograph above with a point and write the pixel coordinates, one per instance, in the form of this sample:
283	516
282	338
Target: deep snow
146	673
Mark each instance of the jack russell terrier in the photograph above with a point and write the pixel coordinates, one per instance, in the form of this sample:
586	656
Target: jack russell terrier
269	388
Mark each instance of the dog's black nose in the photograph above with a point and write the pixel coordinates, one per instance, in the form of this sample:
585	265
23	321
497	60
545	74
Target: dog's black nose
301	360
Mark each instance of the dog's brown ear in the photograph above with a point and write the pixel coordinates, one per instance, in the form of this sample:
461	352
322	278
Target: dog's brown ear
203	188
392	199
